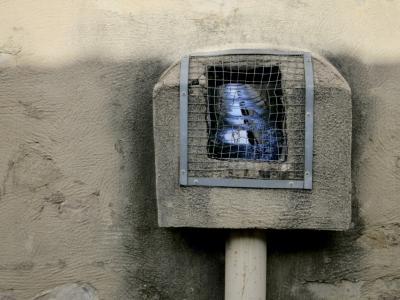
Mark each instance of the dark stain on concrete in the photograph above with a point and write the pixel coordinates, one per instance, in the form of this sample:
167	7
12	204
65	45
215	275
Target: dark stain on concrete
55	198
162	263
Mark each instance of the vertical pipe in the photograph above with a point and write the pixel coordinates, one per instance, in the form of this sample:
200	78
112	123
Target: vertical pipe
246	265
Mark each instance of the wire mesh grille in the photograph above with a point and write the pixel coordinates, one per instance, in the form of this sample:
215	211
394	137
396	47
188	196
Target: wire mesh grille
246	117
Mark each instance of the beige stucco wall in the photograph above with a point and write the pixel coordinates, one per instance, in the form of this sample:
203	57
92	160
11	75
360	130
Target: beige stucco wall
77	197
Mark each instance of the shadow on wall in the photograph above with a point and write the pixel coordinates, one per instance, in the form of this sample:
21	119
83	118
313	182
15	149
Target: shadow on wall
91	124
336	265
164	263
77	171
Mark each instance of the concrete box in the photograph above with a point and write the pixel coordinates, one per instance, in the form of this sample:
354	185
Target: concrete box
327	206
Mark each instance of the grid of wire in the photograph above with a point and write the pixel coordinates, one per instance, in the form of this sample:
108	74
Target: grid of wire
246	117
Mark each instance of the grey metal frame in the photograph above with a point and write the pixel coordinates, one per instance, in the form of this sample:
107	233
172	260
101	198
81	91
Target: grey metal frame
183	120
306	183
309	121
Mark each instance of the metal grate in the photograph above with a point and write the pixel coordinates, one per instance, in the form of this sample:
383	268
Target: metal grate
244	119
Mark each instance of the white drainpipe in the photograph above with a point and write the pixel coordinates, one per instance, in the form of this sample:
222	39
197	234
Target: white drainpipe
246	265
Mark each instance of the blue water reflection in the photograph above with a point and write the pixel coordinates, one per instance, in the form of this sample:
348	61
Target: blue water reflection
242	126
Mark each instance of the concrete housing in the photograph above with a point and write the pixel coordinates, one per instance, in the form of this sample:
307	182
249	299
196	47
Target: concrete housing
326	206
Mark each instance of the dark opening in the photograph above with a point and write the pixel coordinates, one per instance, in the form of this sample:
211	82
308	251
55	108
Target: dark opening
246	113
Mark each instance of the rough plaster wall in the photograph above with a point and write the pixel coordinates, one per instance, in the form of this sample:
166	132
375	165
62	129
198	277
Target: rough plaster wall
77	205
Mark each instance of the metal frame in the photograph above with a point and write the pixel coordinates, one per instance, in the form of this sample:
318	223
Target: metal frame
306	183
309	121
